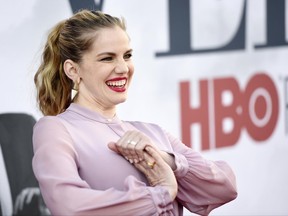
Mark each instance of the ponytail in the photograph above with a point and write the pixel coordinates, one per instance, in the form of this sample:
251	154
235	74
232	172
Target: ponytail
52	84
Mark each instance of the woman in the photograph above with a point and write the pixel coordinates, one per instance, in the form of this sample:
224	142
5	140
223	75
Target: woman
87	160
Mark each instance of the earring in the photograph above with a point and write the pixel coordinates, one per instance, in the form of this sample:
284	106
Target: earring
75	89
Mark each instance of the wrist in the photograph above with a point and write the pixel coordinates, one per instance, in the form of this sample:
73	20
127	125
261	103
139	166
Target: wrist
169	159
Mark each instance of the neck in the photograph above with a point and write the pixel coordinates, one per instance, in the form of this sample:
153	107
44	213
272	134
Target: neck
107	112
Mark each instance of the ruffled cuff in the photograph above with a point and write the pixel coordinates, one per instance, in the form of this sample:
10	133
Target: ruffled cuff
182	165
161	198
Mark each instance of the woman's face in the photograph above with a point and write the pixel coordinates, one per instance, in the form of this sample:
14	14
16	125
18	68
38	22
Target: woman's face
106	69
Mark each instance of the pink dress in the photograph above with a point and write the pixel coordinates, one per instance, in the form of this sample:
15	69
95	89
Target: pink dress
79	175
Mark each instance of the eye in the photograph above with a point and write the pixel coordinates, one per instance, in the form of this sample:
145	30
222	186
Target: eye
106	59
128	56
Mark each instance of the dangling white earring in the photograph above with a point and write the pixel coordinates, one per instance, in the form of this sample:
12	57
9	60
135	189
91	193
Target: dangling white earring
75	89
73	93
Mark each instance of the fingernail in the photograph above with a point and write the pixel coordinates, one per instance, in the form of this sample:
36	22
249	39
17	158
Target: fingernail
131	161
136	161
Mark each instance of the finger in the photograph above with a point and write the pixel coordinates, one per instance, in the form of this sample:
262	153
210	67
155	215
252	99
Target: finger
133	139
136	148
150	161
122	143
150	173
153	153
127	144
112	146
140	147
143	165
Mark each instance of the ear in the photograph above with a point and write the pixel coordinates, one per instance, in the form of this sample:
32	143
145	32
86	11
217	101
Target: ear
71	70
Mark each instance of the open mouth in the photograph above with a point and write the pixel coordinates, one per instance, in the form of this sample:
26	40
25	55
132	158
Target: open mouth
117	84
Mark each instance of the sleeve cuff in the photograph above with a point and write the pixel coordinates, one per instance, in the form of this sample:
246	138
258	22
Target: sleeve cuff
161	198
182	165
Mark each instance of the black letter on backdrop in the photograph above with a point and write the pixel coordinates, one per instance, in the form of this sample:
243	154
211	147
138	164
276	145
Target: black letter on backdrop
179	31
275	13
76	5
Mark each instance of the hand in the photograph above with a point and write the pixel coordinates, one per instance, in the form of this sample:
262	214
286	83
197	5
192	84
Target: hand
157	171
131	146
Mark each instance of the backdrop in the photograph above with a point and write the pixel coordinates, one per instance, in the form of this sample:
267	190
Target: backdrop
212	72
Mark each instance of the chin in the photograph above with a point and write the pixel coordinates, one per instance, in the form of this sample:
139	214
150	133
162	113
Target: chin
122	100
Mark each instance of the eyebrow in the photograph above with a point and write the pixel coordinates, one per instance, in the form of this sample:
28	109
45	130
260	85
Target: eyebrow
111	53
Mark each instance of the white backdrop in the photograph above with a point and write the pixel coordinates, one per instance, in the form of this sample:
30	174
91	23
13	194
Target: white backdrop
260	166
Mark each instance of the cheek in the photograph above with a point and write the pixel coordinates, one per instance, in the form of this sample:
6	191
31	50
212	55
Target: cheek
131	69
94	83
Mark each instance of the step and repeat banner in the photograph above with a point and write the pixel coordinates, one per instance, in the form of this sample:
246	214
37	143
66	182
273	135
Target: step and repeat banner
212	72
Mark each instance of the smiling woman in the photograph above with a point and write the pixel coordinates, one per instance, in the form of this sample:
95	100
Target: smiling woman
104	72
90	162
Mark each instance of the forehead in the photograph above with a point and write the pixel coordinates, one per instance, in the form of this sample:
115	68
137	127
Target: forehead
109	39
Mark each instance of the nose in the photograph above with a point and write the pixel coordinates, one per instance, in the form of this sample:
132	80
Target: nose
121	66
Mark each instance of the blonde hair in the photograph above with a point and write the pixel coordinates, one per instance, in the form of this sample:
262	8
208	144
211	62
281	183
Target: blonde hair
69	39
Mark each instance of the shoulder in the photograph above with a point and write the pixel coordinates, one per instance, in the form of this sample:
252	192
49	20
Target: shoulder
50	129
49	124
48	121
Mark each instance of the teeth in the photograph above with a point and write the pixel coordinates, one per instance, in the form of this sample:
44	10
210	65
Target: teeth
119	83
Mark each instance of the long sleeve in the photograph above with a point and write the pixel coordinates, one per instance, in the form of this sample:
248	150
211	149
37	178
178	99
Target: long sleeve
203	184
56	167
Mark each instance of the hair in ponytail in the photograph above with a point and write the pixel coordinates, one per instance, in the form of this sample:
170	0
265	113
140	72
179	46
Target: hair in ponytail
69	39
